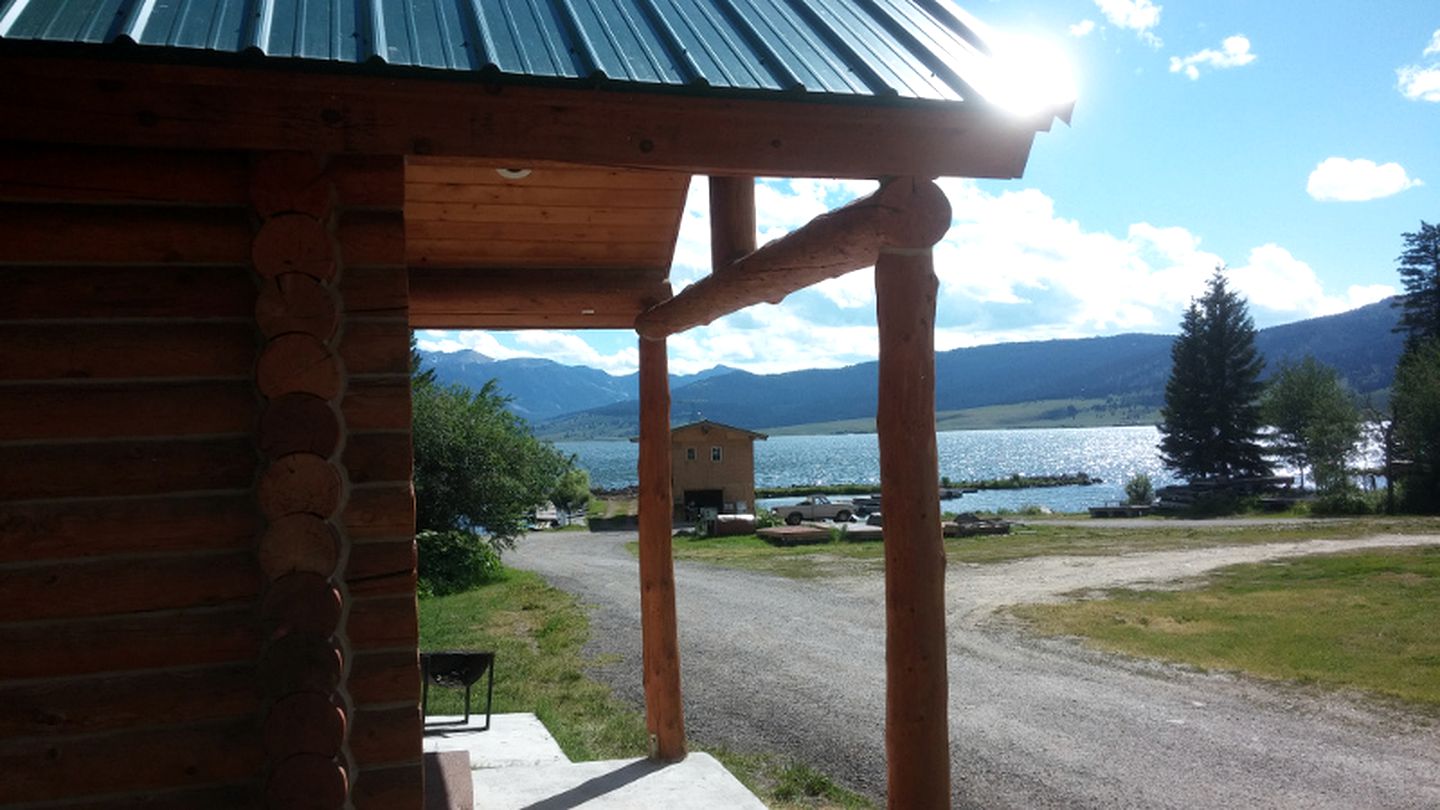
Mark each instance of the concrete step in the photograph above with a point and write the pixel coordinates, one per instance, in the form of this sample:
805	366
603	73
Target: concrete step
699	782
518	739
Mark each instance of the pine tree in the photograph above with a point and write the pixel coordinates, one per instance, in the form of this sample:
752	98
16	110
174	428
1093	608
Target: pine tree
1420	274
1210	425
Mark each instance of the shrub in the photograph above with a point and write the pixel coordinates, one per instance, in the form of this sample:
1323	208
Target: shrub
454	561
1344	502
1139	491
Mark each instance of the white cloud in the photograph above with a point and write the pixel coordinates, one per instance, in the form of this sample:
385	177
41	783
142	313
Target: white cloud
1140	16
568	348
1419	84
1234	52
486	343
1338	179
1082	28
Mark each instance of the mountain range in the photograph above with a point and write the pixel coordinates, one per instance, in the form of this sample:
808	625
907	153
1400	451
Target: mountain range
1104	380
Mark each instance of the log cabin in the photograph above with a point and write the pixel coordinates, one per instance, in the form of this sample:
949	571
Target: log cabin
221	222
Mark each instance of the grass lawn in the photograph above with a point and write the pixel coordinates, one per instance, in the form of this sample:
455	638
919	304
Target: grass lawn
538	633
1355	620
1035	539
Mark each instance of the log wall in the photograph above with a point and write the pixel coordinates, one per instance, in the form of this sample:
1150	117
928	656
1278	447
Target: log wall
206	521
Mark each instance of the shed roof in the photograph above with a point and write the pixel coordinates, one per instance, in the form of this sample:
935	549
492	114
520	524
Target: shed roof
853	50
705	425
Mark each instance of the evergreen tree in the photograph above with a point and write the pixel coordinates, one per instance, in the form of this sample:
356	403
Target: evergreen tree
1210	425
1416	406
1420	274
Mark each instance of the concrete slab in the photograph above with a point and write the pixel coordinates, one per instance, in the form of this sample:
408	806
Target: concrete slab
518	739
697	783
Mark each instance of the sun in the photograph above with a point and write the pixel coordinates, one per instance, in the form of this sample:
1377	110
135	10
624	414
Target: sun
1031	75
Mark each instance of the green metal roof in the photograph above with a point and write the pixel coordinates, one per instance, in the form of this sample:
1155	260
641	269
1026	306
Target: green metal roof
927	50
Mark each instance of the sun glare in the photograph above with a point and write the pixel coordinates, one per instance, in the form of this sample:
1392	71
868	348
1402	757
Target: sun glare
1033	75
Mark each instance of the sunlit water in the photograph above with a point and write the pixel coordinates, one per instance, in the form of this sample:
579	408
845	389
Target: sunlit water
1112	454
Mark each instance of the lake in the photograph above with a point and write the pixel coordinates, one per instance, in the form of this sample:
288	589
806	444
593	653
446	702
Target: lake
1113	454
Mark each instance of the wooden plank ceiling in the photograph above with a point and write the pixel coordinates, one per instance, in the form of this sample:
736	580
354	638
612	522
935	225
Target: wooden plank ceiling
563	246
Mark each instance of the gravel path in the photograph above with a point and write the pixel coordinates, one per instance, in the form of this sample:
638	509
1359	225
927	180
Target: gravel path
798	666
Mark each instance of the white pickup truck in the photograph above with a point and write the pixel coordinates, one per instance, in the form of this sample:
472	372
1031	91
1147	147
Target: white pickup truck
817	507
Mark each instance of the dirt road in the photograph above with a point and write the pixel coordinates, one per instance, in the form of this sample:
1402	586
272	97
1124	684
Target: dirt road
798	666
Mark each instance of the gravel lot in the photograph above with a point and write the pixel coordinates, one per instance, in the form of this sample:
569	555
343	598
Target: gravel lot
798	666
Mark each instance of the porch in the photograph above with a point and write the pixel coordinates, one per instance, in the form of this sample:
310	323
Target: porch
517	764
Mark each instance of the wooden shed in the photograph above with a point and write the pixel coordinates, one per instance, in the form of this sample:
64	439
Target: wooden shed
219	222
712	467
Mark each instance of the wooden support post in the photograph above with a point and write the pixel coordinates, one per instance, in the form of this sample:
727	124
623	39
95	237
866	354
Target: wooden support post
732	219
664	714
917	740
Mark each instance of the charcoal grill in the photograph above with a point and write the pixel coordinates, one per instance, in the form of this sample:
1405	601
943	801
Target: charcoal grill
456	669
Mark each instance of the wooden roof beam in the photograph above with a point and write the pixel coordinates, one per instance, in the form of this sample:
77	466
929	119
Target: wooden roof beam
264	107
902	213
521	298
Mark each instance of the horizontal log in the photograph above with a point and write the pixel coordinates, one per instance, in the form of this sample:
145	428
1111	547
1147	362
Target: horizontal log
130	585
369	181
299	484
381	622
295	302
397	787
154	467
299	542
289	183
386	512
531	198
242	796
294	243
54	172
546	234
122	235
304	723
306	782
38	293
125	410
476	251
385	677
127	351
301	602
659	218
151	760
376	457
377	291
371	238
381	736
93	705
377	405
376	347
67	529
297	364
298	423
125	643
578	298
300	662
385	567
468	171
99	101
903	213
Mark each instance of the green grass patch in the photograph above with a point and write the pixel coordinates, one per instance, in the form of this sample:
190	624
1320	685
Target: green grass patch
1035	539
538	633
1355	620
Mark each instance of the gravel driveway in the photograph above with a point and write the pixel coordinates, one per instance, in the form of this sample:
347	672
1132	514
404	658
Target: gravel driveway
798	666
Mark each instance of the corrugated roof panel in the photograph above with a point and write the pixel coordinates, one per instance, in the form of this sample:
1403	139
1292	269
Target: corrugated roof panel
912	49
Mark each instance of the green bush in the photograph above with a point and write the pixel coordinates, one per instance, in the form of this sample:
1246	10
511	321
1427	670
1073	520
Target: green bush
1344	502
1139	491
454	561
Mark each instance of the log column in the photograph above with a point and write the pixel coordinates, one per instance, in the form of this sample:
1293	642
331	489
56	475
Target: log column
917	741
302	484
664	714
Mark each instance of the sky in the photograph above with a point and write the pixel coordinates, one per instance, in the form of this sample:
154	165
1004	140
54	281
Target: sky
1292	141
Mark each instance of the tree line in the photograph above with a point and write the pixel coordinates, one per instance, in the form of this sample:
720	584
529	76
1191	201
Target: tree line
1220	425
